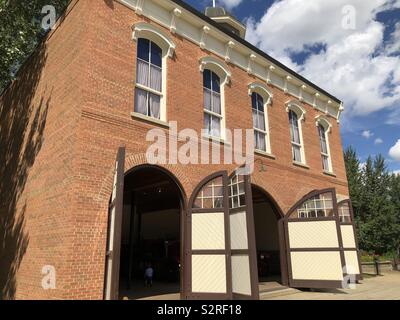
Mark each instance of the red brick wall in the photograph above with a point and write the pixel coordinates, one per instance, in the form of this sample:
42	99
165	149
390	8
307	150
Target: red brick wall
39	115
89	75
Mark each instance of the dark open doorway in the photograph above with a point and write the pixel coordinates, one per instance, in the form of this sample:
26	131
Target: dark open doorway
151	234
266	221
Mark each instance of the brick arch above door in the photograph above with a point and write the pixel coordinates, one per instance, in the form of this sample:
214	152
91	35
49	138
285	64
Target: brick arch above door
133	160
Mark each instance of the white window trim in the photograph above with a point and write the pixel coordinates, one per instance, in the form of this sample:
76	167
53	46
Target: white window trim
297	108
267	95
222	71
321	120
150	32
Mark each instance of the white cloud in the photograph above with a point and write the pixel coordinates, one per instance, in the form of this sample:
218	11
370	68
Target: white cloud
378	141
229	4
354	65
367	134
396	173
394	152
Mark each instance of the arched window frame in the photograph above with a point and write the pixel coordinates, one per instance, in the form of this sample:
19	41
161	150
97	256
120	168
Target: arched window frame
325	124
328	204
296	107
150	32
267	96
222	71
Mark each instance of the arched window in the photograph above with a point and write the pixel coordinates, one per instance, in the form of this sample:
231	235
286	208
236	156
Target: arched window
215	77
211	196
296	115
323	127
261	98
259	125
212	103
295	137
149	84
153	49
319	205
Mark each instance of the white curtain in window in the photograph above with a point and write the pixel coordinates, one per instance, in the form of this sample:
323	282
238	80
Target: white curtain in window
207	99
295	134
255	119
325	162
156	78
154	106
260	141
216	103
142	74
141	101
215	126
296	153
261	121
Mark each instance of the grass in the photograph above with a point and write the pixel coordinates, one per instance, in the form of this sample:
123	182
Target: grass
365	257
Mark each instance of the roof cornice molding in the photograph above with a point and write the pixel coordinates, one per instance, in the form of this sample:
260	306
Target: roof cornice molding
210	36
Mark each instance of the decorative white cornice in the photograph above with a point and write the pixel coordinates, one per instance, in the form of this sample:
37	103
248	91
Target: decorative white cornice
191	27
176	13
228	47
316	97
270	70
287	80
302	89
205	32
139	7
252	58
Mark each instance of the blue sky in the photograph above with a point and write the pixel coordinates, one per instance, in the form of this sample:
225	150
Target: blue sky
351	48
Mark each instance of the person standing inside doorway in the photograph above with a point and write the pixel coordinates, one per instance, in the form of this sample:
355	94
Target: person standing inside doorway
148	276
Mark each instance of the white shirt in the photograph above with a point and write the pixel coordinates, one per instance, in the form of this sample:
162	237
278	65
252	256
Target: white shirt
149	272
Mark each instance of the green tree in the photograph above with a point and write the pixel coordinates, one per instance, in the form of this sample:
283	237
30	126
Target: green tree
20	32
354	178
376	200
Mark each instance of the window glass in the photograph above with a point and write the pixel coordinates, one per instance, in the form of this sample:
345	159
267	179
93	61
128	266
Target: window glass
295	136
316	207
156	55
211	196
260	134
148	79
212	103
344	212
324	148
237	193
143	49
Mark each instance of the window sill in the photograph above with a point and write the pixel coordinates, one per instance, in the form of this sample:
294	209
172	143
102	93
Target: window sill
265	154
328	173
301	165
150	120
215	140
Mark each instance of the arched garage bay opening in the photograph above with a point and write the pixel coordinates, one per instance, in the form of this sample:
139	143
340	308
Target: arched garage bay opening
151	234
271	262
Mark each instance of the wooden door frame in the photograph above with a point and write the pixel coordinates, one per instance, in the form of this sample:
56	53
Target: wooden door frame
280	216
189	295
183	210
352	223
314	283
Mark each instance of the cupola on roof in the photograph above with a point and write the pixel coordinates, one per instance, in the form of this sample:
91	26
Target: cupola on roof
226	20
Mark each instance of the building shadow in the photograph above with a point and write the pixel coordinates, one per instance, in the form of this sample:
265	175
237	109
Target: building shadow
22	123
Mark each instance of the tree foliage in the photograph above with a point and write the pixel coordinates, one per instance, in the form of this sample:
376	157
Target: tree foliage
375	194
20	32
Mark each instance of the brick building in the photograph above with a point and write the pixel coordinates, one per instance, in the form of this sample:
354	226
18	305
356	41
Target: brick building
107	74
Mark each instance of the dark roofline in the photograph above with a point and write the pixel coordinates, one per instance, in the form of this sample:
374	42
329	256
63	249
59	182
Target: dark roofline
254	48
